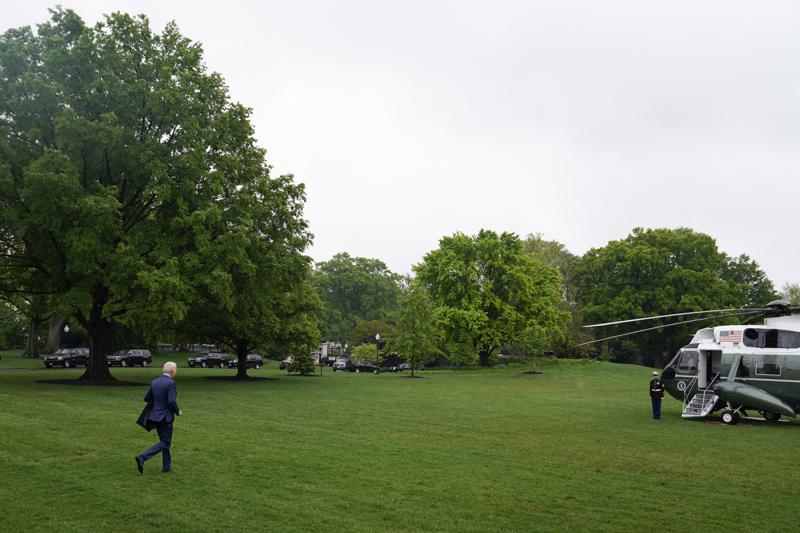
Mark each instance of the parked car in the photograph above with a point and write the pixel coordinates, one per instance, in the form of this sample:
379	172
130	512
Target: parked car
358	366
284	364
67	357
340	364
209	359
130	358
253	361
402	367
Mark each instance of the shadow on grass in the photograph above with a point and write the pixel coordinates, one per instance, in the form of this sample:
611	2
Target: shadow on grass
530	372
113	383
235	378
413	377
748	422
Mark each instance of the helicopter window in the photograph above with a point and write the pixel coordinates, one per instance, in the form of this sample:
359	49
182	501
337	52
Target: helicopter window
753	338
788	339
771	338
768	369
688	361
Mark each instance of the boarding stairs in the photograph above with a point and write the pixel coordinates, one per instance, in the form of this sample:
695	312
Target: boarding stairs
703	401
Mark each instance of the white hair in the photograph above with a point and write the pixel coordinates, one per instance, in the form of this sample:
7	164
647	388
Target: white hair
170	367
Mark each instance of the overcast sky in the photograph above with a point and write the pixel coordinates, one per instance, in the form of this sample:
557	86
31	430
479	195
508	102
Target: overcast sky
408	121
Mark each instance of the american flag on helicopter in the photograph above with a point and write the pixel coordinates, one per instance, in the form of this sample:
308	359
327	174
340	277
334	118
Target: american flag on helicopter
734	336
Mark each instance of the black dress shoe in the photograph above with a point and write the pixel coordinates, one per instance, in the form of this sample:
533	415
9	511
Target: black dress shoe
139	464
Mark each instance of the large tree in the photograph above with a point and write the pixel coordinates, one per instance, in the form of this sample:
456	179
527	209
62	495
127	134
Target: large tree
487	291
663	271
114	142
249	281
555	254
355	288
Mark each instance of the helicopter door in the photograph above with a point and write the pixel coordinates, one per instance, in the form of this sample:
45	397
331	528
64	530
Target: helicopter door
709	366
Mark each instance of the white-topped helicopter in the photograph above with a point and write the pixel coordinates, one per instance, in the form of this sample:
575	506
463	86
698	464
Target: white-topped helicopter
736	368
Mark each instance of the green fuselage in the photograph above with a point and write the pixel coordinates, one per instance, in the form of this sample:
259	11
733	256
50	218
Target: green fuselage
763	364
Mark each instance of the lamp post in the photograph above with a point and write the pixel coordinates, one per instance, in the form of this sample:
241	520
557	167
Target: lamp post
66	328
377	341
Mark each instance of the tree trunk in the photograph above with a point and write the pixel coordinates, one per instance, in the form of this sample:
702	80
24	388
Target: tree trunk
241	355
32	346
99	330
484	357
54	334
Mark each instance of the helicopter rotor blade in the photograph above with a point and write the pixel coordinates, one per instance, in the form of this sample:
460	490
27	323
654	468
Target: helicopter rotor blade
748	320
659	327
737	311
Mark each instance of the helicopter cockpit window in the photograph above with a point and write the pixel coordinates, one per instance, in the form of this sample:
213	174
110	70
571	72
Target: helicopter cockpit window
688	361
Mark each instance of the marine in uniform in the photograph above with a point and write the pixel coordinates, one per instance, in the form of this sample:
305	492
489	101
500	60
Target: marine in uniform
656	394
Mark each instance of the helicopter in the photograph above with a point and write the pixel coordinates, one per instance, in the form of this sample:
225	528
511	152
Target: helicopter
735	368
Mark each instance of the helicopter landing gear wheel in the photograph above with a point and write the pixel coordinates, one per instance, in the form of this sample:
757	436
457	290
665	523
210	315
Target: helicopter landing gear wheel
729	417
772	417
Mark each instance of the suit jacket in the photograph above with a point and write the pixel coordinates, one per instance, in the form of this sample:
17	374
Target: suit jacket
161	401
144	418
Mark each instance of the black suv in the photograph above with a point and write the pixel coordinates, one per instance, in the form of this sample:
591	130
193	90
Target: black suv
359	366
130	358
209	359
68	357
253	361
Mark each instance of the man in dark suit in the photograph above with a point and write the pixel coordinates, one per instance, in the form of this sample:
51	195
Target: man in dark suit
159	413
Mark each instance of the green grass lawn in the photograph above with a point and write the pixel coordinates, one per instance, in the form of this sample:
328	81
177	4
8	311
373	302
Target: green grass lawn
571	449
14	359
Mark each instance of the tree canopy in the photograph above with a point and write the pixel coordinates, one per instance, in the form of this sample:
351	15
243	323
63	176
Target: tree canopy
415	336
122	161
486	291
355	288
791	293
663	271
247	277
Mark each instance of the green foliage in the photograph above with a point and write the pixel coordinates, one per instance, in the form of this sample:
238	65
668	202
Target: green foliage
13	327
131	187
354	288
302	363
555	254
365	353
534	339
791	293
662	271
249	279
487	290
755	289
365	331
605	353
415	336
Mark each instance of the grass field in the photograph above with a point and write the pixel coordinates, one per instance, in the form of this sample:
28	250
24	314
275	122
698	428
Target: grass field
573	448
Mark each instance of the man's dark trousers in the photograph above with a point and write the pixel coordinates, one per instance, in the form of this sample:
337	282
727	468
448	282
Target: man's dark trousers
164	430
656	408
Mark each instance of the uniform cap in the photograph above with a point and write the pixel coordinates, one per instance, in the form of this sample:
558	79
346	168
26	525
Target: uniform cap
655	373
